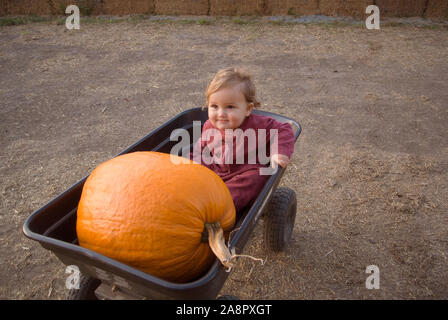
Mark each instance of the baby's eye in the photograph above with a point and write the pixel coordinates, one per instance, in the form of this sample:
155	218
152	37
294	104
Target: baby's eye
214	106
230	107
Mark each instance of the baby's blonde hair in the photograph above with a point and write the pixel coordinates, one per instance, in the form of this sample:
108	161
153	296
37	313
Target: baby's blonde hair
230	77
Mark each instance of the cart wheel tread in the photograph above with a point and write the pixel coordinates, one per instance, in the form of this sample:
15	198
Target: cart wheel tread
279	219
86	291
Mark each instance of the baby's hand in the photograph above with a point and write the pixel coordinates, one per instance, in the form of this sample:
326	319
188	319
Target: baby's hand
279	159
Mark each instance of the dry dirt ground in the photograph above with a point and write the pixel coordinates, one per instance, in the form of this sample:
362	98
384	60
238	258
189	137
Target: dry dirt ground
369	170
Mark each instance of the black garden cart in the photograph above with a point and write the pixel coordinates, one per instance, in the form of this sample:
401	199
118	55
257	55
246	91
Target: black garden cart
54	227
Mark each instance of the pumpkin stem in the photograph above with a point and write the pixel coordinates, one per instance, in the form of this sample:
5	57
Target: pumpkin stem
217	244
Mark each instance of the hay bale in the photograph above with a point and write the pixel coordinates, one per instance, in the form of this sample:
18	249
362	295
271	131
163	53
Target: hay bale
25	7
86	7
125	7
3	8
401	8
348	8
232	8
181	7
437	9
291	7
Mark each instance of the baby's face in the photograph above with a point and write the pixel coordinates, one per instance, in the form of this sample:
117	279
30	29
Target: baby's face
228	108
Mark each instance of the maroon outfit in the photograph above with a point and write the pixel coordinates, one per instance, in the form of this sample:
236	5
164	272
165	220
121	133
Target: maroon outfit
243	179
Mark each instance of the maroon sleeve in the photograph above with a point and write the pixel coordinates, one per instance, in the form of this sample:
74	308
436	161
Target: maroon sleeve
286	136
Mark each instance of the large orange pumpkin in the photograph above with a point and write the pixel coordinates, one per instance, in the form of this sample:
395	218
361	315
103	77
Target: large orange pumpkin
148	212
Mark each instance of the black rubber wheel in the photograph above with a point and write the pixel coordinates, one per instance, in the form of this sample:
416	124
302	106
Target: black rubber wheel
279	219
227	297
86	291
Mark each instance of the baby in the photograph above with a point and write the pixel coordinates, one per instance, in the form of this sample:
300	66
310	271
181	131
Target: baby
230	98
